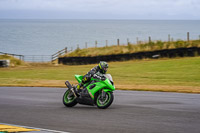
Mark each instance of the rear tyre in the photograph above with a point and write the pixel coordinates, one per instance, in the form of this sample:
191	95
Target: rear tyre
69	101
106	101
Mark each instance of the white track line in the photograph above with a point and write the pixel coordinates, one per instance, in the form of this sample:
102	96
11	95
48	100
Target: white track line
42	129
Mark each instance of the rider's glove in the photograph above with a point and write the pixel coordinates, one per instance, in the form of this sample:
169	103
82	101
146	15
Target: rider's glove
99	77
86	78
103	78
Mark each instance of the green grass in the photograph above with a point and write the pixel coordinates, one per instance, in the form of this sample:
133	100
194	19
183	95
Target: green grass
177	75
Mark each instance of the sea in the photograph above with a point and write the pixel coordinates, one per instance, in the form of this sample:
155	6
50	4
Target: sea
46	37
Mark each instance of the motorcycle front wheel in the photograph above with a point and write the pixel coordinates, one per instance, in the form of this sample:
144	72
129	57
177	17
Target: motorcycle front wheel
69	101
104	102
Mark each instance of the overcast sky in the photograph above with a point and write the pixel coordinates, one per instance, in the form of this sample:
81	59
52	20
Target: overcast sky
100	9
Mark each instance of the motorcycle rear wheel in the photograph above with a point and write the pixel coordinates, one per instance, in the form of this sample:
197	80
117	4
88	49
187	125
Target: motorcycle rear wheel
106	101
69	101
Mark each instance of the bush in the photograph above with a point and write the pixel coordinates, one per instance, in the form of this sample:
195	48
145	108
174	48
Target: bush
195	44
167	45
141	47
179	44
130	48
151	45
160	44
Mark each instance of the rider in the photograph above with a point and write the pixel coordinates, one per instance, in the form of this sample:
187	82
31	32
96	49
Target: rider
96	72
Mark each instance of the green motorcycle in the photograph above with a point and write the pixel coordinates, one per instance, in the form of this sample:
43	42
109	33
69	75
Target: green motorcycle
96	92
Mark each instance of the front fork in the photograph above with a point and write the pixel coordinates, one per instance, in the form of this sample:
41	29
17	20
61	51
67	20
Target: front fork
70	87
103	94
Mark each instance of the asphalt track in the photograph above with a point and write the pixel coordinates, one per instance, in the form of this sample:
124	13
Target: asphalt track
131	112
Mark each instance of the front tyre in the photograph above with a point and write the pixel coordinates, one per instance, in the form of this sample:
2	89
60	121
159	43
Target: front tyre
104	102
69	101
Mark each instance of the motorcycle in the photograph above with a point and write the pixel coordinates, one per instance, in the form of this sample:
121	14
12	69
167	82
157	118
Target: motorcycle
96	92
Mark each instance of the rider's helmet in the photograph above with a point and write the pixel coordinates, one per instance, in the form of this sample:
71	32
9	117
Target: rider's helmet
103	67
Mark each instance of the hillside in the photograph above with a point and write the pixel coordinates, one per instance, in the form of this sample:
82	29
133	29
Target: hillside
13	61
132	48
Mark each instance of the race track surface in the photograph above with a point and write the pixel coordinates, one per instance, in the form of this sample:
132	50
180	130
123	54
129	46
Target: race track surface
131	112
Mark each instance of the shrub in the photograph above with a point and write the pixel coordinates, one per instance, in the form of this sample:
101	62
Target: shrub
130	47
167	45
160	44
195	44
179	44
150	45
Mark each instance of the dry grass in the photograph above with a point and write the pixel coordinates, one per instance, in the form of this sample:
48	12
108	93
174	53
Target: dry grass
162	88
13	61
60	83
132	48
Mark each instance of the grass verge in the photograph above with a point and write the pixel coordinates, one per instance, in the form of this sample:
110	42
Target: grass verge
169	75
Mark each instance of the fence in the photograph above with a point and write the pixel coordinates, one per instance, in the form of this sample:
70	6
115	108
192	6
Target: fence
169	53
21	57
30	58
138	41
37	58
58	54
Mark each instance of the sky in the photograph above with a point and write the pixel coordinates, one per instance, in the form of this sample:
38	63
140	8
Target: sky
100	9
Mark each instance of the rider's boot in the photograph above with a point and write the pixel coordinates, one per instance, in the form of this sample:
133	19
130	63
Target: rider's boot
78	88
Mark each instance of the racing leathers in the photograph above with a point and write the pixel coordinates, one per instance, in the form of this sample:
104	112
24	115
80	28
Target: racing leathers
95	73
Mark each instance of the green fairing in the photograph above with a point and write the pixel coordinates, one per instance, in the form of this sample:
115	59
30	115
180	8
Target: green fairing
105	85
79	78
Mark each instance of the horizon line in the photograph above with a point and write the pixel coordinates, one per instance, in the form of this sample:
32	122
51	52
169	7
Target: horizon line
89	19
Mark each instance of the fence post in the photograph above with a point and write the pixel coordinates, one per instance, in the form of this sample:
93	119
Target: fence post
23	57
127	41
137	40
65	49
96	44
106	43
59	53
86	45
78	46
118	42
149	39
199	37
169	38
51	58
188	36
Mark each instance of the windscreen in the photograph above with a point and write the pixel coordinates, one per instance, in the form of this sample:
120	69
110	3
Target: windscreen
109	77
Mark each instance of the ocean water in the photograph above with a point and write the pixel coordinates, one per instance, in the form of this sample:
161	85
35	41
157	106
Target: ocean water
46	37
